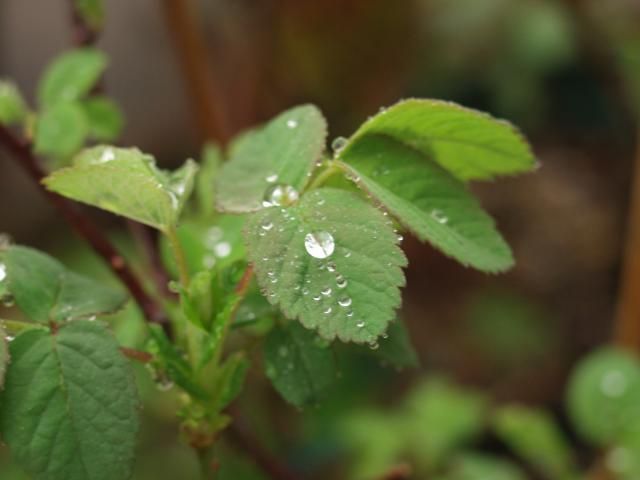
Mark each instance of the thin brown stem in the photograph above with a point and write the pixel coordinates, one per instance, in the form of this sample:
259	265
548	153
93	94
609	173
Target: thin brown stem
192	51
21	152
137	355
83	34
627	323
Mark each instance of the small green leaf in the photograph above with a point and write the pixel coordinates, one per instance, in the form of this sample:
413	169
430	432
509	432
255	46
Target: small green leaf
92	12
69	410
603	396
71	76
4	356
283	152
126	182
61	130
300	368
13	108
397	348
104	117
470	144
427	200
45	291
205	183
441	418
332	261
473	466
230	379
533	435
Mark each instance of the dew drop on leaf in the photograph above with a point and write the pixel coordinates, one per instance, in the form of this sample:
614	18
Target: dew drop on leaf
326	291
439	216
3	272
267	226
360	324
327	311
341	282
338	144
222	249
272	178
279	195
344	302
292	123
319	244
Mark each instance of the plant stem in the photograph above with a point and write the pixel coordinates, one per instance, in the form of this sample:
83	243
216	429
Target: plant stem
21	152
178	255
192	51
627	322
13	327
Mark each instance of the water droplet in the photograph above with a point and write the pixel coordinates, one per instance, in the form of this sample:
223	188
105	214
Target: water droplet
400	238
279	195
267	225
347	254
164	385
319	244
320	202
374	345
344	302
305	291
222	249
3	272
326	291
316	298
338	144
92	318
613	384
341	282
439	216
274	280
327	311
272	178
292	123
107	155
360	324
331	267
349	313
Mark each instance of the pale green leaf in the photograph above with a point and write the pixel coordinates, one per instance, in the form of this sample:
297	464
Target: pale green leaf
46	291
69	410
61	130
299	365
533	435
427	200
283	151
473	466
92	12
603	396
71	76
13	109
104	118
352	292
468	143
126	182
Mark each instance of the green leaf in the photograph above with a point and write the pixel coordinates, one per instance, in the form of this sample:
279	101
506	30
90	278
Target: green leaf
92	12
299	366
205	183
13	109
4	355
71	76
397	348
61	130
441	418
533	435
69	410
332	261
470	144
46	291
104	117
472	466
230	379
603	396
427	200
283	152
126	182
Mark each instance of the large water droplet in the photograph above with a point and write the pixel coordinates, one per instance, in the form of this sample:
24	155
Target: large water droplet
439	216
344	302
338	144
319	244
279	195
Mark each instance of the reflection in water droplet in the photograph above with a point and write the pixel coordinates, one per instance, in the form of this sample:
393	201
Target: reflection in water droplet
331	267
3	272
613	384
439	216
360	324
267	226
279	195
107	156
222	249
344	302
292	123
341	282
272	178
338	144
319	244
316	298
326	291
400	238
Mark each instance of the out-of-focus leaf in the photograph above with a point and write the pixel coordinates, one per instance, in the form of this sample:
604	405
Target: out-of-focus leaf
396	348
45	291
13	108
283	152
299	365
61	130
104	118
126	182
603	396
92	12
473	466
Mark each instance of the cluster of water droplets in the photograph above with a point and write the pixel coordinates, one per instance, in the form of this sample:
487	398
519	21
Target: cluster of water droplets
217	247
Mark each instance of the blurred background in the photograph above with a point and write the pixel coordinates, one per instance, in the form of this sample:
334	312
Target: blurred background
562	70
